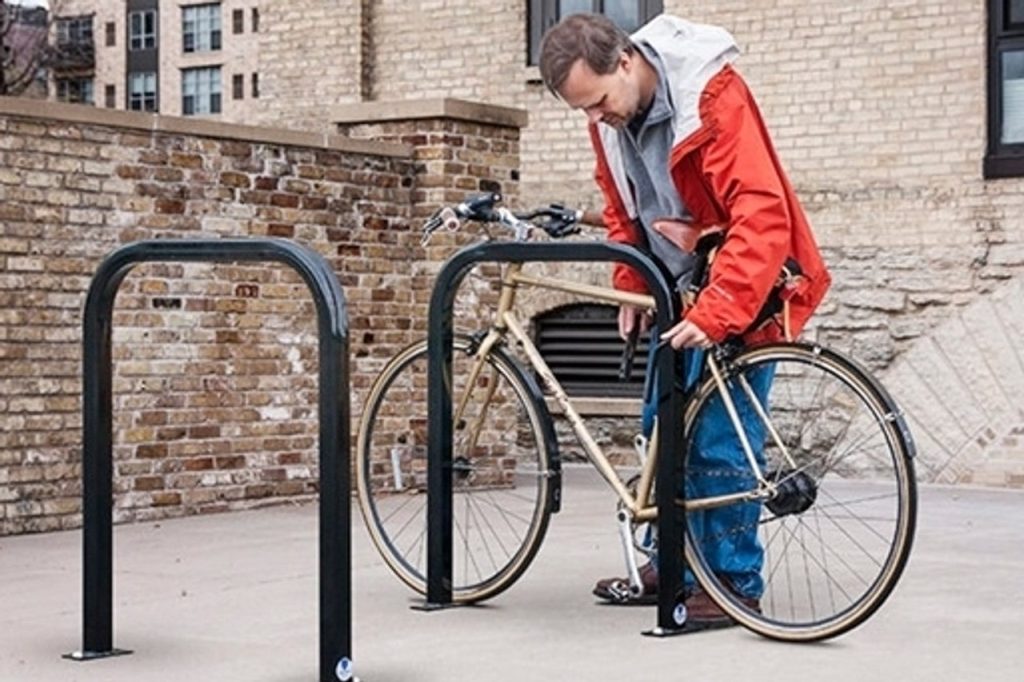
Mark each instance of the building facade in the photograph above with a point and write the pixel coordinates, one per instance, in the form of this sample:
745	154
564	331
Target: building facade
175	58
898	122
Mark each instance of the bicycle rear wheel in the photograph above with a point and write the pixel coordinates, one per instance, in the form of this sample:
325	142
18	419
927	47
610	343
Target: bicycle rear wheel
501	474
826	539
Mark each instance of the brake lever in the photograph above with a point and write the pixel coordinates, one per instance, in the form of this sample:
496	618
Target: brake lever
561	221
444	217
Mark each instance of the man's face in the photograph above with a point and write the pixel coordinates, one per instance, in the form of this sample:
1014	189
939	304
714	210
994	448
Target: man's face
613	98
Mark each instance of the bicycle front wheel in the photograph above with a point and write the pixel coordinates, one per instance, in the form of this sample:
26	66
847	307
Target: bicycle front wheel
501	473
815	547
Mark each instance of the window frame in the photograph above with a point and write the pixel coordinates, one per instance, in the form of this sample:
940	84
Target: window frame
237	21
146	99
543	14
84	90
76	30
1002	160
193	38
238	86
192	103
143	40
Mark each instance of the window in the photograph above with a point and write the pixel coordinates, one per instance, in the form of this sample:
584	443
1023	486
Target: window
238	21
255	19
142	30
581	344
110	95
1005	157
200	28
111	29
255	85
628	14
142	91
200	91
237	86
74	30
78	90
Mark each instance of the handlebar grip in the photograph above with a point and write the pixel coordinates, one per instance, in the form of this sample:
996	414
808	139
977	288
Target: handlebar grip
449	220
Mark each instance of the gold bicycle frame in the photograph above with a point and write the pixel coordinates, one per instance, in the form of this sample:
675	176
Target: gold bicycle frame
639	506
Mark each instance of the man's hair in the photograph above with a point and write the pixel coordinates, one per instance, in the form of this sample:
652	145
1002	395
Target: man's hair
590	37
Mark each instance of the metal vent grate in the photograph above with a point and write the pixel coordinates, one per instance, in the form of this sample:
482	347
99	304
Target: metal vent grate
581	344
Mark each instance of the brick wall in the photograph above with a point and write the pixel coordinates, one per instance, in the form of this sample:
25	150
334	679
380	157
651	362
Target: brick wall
877	110
878	113
214	365
311	57
459	148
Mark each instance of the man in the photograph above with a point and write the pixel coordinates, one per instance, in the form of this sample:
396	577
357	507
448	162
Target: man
681	149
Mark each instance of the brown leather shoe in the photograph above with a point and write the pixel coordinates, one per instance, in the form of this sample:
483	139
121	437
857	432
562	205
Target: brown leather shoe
616	590
701	610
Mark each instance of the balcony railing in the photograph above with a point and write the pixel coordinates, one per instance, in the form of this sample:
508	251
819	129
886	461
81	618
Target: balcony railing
72	56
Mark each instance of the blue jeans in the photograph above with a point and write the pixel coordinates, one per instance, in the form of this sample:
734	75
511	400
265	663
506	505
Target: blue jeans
717	466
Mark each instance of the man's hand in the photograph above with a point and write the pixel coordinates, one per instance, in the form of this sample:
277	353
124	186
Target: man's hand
682	234
629	318
686	335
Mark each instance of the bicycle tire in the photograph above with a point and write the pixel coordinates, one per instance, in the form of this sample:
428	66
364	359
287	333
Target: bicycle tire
836	537
502	491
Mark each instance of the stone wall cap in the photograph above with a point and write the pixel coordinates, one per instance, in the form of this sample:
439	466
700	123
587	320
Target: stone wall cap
446	107
86	114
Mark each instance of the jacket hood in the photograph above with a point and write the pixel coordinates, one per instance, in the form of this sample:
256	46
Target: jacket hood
691	55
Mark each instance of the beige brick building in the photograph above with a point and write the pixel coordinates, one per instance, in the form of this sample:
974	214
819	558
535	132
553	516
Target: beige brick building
878	109
146	55
881	111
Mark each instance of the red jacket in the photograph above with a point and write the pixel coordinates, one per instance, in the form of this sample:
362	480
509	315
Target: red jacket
728	175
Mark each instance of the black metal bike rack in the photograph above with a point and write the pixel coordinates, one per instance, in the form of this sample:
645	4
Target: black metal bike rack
439	404
97	466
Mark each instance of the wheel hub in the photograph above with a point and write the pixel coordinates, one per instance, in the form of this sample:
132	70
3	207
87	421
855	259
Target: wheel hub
462	469
795	492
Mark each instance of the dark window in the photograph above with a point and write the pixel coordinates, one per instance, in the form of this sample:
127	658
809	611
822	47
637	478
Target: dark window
74	30
581	344
1005	157
110	95
628	14
200	27
237	86
77	90
255	85
142	30
237	21
255	19
111	34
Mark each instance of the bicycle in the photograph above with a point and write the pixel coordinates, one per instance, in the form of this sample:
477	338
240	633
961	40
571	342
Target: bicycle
829	455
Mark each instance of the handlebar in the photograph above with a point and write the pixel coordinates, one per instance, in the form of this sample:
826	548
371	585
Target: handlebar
555	219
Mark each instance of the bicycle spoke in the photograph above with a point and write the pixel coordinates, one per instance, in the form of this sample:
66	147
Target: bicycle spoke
852	515
391	514
499	485
830	544
483	539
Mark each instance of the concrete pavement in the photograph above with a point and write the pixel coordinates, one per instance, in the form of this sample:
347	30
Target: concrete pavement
233	597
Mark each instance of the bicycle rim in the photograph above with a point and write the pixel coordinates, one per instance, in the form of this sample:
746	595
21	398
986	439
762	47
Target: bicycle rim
500	478
831	538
